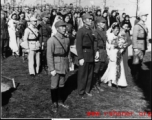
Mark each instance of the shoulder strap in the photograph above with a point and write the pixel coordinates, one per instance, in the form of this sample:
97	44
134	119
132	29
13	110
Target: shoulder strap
60	44
32	32
143	28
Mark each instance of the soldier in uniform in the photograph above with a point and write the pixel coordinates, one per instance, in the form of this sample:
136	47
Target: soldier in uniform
31	35
45	32
58	64
85	51
4	34
139	42
100	49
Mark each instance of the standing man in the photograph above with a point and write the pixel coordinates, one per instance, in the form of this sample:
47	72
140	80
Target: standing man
139	42
31	35
85	51
45	32
4	34
100	49
58	64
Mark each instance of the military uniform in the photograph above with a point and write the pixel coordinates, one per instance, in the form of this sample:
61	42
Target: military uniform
45	33
32	36
100	47
139	43
85	50
58	48
4	36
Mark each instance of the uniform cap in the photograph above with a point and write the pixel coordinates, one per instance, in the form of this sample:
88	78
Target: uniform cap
33	19
45	14
86	16
59	23
143	13
100	19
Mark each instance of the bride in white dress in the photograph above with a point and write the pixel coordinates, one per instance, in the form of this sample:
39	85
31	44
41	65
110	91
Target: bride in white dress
115	73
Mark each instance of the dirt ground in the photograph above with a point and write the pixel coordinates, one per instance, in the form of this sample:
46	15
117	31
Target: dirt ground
32	98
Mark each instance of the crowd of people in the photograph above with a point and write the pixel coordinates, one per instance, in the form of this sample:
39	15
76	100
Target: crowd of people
100	38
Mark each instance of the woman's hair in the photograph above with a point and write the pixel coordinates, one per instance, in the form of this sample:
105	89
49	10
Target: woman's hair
13	15
112	12
22	13
97	12
127	16
115	25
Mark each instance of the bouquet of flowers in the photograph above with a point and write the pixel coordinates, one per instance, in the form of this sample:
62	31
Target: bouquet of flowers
119	42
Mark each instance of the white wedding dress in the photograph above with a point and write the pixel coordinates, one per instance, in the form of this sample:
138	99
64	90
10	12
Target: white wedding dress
12	34
111	71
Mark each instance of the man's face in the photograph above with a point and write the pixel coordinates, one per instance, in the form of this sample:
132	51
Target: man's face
34	23
144	18
61	29
45	19
88	21
101	25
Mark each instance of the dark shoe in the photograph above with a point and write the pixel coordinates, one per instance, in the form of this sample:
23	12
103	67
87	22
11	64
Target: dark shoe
83	96
89	94
63	105
32	75
54	107
99	89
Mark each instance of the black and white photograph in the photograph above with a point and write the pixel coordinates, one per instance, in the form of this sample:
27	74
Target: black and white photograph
75	59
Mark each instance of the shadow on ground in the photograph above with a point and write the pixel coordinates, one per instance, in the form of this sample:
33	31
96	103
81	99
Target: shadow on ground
144	82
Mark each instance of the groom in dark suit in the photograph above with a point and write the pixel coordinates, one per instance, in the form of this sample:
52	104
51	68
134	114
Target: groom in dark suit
85	51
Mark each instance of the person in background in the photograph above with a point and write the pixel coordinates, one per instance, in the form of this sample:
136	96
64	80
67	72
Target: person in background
127	20
113	17
32	35
4	35
139	44
122	17
53	15
105	16
45	32
13	43
58	64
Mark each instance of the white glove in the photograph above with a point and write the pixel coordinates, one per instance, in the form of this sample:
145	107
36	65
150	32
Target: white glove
53	73
97	55
81	62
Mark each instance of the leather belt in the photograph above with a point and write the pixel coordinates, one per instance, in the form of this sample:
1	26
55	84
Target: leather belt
140	38
60	55
32	40
86	47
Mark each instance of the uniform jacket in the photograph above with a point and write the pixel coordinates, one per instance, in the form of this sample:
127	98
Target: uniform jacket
4	29
57	59
139	40
84	40
100	44
45	32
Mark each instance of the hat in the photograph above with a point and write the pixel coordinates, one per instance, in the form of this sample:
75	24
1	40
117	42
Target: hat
86	16
33	19
142	13
100	19
59	23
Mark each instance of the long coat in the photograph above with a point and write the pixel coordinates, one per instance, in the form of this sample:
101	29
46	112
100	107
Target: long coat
85	44
57	58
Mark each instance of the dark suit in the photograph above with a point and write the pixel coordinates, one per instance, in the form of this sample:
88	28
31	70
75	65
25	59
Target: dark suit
85	50
100	45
